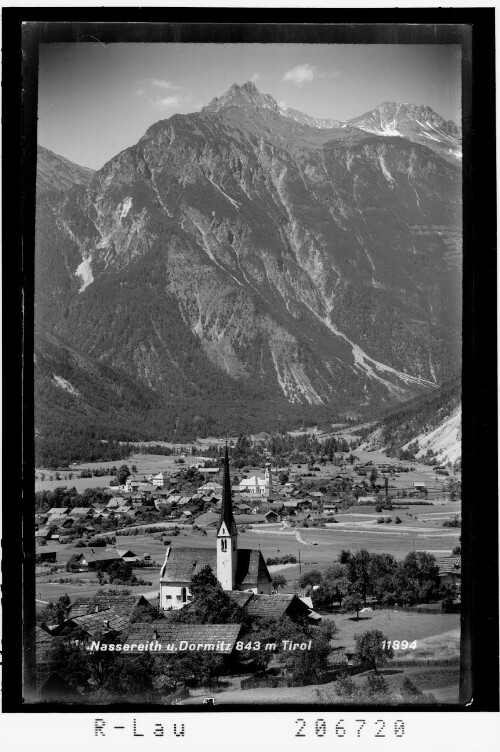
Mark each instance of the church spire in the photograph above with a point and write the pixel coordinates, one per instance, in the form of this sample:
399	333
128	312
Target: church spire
227	502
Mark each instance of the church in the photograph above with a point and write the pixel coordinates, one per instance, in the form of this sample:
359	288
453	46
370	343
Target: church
257	485
237	569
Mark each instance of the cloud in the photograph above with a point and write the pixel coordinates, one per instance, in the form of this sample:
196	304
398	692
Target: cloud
256	77
306	73
166	103
165	84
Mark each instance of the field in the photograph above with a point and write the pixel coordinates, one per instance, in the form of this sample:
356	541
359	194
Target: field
403	625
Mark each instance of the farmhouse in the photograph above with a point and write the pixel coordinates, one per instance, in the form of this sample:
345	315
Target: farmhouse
120	603
89	558
243	569
450	571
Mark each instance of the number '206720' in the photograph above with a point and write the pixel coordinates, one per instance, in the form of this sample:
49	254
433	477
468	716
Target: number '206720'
356	728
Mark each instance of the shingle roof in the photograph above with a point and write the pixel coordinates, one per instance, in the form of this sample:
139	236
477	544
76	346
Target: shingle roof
43	644
99	554
450	565
98	623
182	563
222	636
275	606
121	604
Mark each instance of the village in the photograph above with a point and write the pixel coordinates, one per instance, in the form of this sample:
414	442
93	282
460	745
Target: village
317	545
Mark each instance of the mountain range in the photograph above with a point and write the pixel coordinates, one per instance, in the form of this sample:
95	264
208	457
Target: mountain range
244	266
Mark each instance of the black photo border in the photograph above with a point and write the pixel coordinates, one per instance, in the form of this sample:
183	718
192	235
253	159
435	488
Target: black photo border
473	28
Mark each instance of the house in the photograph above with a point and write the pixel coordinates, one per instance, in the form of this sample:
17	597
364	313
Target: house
92	558
187	513
272	516
82	512
128	555
46	555
210	470
450	571
210	486
59	510
161	479
43	534
122	604
185	500
102	625
145	488
174	498
173	638
367	499
419	487
162	504
134	481
236	569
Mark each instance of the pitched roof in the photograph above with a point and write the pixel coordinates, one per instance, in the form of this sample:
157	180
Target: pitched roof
450	565
275	606
222	636
100	622
181	563
251	567
99	554
121	604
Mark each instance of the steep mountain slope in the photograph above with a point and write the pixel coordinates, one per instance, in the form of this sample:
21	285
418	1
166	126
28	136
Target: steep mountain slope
427	422
54	172
242	256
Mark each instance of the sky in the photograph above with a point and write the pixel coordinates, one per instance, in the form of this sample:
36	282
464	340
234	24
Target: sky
94	100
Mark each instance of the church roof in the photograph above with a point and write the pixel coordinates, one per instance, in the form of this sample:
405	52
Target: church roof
251	567
182	563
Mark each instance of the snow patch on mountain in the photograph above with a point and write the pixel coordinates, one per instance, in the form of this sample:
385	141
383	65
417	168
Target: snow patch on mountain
84	271
126	206
63	384
445	440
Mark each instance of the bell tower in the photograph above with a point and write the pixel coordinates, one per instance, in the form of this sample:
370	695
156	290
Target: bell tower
227	535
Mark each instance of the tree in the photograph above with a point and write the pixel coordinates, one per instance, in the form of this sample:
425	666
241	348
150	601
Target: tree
371	648
345	687
412	694
377	686
353	602
313	577
359	572
122	474
279	581
211	604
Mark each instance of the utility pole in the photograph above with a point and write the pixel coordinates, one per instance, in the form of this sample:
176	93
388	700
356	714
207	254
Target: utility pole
300	566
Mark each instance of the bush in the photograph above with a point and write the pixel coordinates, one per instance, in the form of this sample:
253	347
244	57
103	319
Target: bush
381	520
397	521
388	520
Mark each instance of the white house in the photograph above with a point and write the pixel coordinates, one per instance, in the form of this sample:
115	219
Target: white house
161	479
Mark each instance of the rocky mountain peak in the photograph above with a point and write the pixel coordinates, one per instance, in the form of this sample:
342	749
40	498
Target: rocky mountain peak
242	96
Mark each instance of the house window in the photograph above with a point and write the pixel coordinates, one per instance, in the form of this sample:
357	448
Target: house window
234	545
223	545
183	594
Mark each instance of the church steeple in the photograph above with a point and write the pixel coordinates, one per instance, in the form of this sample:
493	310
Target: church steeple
227	535
226	515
